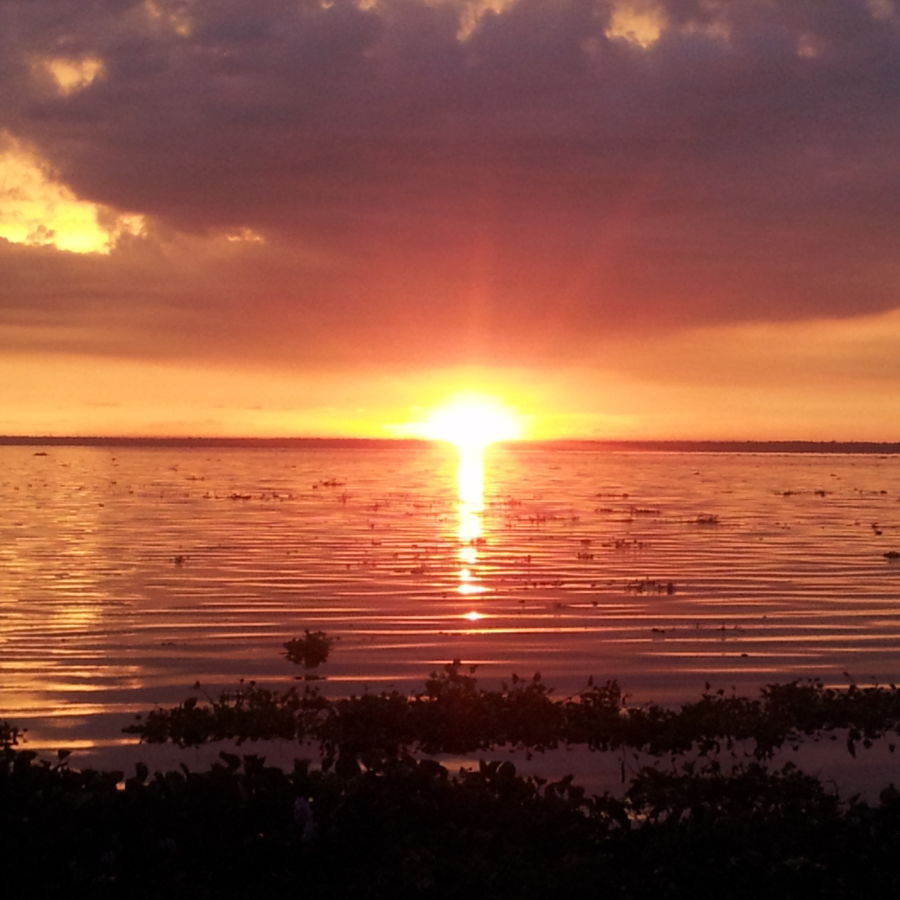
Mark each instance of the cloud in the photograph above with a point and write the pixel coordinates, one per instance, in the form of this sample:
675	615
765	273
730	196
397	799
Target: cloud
452	181
36	210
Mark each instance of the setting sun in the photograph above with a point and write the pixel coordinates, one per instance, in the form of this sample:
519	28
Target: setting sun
472	421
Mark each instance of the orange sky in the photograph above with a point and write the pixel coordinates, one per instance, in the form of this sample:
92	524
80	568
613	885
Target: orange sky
643	219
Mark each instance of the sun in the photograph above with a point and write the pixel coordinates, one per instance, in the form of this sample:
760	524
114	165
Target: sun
471	422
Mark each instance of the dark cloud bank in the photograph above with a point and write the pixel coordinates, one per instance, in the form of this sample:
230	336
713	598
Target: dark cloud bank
512	195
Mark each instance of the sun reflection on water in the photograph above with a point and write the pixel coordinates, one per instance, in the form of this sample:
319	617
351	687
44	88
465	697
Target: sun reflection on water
470	486
470	421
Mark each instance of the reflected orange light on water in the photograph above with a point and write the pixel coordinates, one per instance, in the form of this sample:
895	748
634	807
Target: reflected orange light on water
470	488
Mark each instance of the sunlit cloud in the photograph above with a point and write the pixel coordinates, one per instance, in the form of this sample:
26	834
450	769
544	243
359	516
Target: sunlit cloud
174	15
883	10
715	28
639	22
244	236
474	11
73	74
809	46
38	210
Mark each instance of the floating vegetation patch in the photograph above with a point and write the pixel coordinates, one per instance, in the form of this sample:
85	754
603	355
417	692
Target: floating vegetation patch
454	714
309	651
649	586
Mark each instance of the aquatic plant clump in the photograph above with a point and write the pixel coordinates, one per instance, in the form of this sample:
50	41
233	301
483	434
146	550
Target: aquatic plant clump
309	651
454	714
10	735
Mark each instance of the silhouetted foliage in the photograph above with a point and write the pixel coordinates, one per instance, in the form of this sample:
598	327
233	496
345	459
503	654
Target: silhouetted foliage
455	715
309	651
411	829
371	820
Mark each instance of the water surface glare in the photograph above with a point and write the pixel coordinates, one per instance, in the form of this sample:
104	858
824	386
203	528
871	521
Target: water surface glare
130	573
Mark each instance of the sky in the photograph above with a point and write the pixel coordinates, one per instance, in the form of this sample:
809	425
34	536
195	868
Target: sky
624	218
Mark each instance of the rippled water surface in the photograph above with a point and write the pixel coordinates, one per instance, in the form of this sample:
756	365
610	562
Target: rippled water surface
128	574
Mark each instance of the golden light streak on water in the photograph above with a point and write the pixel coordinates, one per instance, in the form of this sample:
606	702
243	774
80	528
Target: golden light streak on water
470	485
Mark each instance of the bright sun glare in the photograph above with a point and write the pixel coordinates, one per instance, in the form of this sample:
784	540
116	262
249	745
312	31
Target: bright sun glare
471	422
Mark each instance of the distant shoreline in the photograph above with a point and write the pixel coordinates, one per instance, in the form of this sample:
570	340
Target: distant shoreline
329	443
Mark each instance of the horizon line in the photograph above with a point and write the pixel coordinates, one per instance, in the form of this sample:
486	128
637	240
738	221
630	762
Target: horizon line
683	444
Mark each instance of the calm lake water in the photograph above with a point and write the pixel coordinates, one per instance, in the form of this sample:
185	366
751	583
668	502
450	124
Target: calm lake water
128	574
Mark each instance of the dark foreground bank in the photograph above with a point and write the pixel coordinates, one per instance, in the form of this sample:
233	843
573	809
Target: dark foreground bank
243	829
372	818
